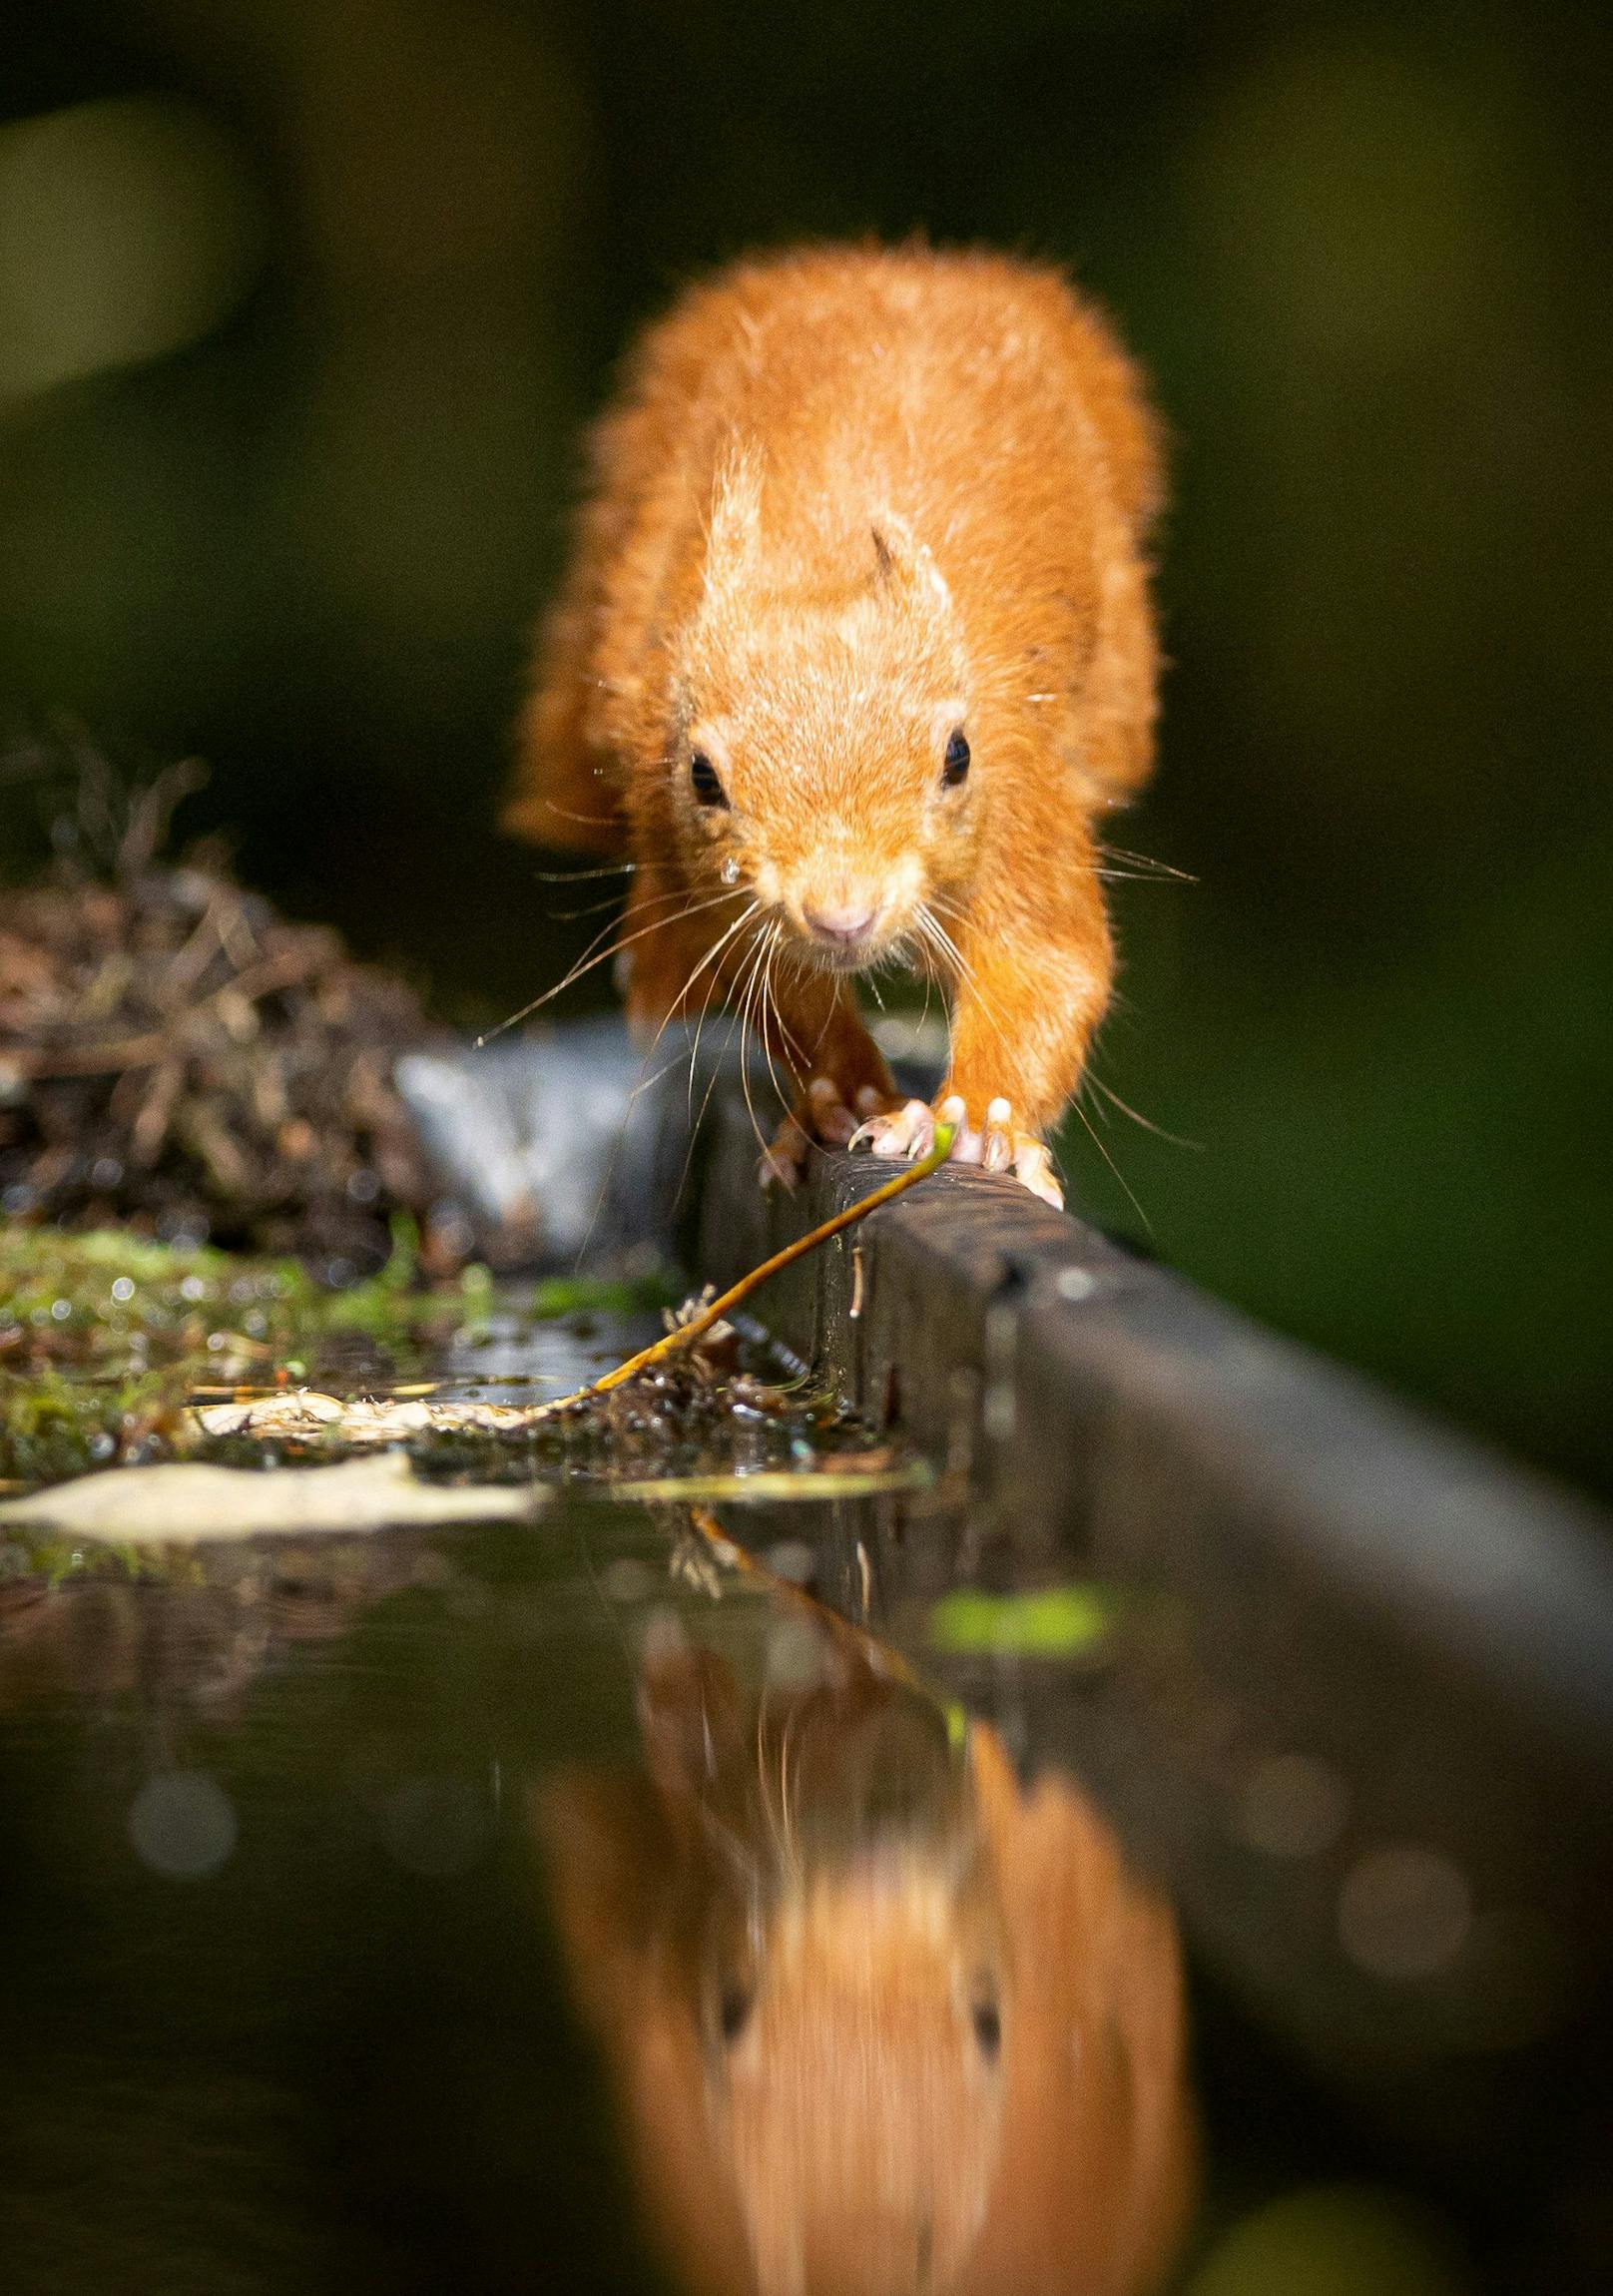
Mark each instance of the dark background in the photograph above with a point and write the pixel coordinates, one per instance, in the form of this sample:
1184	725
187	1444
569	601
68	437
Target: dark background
294	349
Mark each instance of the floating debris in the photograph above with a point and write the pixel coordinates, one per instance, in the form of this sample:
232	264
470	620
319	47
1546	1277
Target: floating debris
831	1478
302	1414
179	1502
1051	1622
699	1340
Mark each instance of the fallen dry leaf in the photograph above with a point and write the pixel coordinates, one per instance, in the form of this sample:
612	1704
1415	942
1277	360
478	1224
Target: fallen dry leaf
182	1503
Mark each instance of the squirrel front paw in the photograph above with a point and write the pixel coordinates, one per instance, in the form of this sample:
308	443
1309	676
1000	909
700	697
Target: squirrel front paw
995	1143
820	1114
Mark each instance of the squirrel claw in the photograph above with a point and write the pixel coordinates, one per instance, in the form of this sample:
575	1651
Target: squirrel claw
906	1131
786	1158
909	1130
996	1146
1021	1153
1033	1166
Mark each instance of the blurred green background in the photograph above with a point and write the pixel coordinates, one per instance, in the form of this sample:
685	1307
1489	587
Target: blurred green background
303	304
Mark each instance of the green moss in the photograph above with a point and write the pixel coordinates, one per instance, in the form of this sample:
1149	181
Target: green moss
92	1298
102	1334
53	1425
95	1297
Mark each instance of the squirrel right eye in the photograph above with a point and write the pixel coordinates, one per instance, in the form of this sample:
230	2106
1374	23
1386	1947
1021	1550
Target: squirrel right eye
704	780
734	2010
986	2019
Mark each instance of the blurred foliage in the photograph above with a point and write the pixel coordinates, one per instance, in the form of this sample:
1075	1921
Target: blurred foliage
102	1336
91	1298
387	260
1334	2240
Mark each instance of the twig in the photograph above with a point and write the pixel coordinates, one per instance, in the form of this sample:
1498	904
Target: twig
697	1325
109	1057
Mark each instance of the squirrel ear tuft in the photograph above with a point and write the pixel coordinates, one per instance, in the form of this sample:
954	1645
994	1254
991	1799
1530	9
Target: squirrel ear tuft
735	526
904	562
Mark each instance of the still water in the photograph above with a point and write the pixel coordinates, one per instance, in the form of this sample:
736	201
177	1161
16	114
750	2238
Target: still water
566	1903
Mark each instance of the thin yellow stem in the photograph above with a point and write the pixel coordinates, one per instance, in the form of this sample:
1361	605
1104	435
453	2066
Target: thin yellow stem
697	1325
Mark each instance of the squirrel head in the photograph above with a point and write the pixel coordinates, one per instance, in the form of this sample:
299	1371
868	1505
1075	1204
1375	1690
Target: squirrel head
820	752
881	2017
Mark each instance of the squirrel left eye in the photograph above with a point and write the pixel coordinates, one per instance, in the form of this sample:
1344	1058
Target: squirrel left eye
957	766
707	787
986	2019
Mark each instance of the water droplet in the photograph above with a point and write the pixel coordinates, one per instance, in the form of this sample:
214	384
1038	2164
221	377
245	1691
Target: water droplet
730	871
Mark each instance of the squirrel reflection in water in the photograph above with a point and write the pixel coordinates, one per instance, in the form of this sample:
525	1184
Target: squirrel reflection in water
878	2019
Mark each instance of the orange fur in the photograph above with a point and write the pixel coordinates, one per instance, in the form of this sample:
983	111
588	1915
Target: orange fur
833	1866
847	502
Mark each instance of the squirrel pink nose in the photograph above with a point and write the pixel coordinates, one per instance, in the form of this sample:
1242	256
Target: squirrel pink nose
842	923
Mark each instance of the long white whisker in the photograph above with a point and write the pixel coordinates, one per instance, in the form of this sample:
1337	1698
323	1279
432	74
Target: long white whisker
772	1015
597	956
1122	1181
638	908
642	1083
742	919
706	1099
611	901
747	1028
941	939
577	876
1145	863
1174	1138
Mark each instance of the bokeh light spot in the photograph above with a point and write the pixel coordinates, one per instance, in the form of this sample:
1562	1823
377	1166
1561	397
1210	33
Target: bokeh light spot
183	1824
1292	1805
1405	1912
127	228
1333	2240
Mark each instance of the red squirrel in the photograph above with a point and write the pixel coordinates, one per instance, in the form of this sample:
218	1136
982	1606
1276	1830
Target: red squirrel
877	2020
855	648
